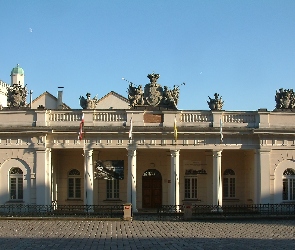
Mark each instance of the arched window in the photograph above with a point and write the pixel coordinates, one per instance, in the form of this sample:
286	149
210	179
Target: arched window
74	188
229	184
289	185
16	184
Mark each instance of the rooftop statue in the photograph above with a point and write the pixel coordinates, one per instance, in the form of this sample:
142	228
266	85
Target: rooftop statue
215	103
170	97
153	94
285	99
16	96
135	95
88	103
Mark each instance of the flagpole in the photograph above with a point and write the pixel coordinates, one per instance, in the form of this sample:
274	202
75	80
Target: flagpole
81	137
221	133
130	156
85	172
175	131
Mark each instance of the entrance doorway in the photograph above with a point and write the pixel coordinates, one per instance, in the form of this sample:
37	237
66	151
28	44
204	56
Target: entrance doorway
151	189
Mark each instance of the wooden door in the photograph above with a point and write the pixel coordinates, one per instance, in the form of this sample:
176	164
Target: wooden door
152	190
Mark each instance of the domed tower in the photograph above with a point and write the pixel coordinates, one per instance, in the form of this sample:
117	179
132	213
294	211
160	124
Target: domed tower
18	76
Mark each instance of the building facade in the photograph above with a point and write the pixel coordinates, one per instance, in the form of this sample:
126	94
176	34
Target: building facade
146	156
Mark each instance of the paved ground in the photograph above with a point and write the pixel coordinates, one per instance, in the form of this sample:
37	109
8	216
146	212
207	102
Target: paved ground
82	234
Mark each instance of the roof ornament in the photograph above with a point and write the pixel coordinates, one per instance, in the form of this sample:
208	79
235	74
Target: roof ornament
16	96
285	99
153	95
88	103
215	103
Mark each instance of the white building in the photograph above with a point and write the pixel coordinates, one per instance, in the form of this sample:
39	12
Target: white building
42	160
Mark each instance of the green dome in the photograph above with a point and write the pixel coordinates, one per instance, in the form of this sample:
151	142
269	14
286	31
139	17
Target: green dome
17	70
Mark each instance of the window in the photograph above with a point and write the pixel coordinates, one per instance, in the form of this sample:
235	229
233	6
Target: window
289	185
16	184
229	184
112	189
74	188
190	187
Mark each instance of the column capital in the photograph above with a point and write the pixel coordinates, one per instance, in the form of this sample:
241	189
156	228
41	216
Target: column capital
42	150
88	152
216	153
174	152
131	152
262	151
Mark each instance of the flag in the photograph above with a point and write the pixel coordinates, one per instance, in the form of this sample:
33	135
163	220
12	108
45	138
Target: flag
175	130
80	135
130	130
221	134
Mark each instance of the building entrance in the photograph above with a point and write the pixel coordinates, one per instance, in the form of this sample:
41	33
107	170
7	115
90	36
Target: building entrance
151	189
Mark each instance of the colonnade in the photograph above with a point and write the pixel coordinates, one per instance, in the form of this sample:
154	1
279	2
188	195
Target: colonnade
261	175
174	195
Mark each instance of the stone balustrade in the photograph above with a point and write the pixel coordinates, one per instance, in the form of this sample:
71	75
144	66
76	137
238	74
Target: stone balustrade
60	118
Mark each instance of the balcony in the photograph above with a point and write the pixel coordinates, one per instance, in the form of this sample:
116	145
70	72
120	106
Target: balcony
21	119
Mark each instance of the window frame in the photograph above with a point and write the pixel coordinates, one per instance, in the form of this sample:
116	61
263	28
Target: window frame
192	190
113	189
74	176
19	184
229	186
289	179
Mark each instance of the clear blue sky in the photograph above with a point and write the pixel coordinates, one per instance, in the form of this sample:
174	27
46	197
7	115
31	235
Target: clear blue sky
243	50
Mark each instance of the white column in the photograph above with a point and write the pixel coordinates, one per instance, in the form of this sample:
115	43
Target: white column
131	180
262	177
53	183
217	178
257	177
174	190
88	181
43	177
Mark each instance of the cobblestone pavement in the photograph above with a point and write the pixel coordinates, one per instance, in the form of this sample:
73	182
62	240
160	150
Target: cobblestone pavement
83	234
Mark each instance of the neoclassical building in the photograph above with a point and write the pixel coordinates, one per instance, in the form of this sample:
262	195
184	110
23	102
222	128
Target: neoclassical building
142	149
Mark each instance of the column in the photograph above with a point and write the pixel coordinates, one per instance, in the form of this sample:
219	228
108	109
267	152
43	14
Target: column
217	178
262	176
174	188
88	181
43	177
131	180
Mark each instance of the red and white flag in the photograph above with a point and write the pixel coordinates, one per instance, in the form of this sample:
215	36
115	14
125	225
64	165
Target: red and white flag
80	135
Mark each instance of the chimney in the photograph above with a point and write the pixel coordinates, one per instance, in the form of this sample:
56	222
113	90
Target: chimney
59	98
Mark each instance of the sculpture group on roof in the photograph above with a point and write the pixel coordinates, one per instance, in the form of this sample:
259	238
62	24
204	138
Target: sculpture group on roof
135	95
16	96
153	94
285	99
88	103
215	103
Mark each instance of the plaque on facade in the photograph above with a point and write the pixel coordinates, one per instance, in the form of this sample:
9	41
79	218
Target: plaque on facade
153	95
153	118
109	170
194	167
195	172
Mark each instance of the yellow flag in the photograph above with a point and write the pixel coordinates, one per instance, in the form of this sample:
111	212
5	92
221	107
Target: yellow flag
175	130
